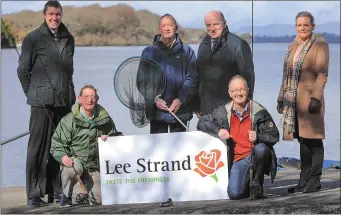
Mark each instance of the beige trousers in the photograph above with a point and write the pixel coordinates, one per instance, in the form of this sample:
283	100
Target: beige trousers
91	180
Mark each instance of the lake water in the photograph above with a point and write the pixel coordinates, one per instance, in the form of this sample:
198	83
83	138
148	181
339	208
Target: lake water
97	66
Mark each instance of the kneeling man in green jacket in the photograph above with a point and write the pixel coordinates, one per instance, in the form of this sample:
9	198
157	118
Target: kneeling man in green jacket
75	146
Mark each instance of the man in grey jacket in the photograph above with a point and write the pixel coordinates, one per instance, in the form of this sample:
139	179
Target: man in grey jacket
45	72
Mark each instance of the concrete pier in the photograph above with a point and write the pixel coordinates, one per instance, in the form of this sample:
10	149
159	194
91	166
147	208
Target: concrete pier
278	201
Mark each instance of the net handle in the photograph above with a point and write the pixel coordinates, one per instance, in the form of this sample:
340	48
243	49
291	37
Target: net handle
179	121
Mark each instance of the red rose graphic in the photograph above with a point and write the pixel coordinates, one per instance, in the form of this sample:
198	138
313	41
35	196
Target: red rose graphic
208	163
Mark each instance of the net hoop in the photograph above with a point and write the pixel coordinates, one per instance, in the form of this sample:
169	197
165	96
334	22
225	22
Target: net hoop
127	62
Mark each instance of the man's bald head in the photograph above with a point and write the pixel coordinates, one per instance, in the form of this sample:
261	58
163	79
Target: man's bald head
215	13
215	23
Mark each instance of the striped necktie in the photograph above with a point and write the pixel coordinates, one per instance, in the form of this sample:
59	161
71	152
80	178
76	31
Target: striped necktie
213	44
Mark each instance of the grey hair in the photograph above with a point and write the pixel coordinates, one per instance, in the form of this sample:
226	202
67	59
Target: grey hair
240	78
306	14
222	17
88	86
172	18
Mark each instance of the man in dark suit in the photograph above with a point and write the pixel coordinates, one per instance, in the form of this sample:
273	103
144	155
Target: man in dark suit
221	55
45	71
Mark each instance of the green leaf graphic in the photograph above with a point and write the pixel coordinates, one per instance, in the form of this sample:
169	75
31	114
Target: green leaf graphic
215	177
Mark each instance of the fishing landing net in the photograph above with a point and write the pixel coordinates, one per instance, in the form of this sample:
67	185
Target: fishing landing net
137	82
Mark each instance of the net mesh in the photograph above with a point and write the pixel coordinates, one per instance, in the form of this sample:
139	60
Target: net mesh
137	82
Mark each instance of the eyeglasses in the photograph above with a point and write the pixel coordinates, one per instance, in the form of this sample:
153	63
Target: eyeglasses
243	90
94	98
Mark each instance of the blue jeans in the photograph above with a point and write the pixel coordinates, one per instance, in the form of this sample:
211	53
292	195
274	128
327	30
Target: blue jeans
239	181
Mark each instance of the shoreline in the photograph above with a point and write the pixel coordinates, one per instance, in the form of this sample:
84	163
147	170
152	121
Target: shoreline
143	45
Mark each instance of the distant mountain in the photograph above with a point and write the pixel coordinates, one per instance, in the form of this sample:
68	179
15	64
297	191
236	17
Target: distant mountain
331	28
121	24
94	25
287	29
330	38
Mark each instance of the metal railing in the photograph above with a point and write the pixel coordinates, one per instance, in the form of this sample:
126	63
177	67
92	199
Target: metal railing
14	138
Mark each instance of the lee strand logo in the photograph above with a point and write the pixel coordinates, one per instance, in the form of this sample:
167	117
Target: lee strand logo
186	166
208	163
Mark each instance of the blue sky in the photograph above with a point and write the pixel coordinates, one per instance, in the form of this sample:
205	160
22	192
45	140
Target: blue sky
191	13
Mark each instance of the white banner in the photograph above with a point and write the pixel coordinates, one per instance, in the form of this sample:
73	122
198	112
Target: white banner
184	166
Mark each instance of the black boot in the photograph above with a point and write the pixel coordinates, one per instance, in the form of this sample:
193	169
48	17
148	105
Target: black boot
306	164
313	185
257	192
299	187
36	202
317	149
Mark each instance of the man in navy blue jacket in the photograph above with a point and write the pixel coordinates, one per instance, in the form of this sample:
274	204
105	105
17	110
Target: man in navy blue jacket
178	60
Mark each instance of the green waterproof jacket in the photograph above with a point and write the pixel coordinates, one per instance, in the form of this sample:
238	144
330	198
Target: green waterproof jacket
77	137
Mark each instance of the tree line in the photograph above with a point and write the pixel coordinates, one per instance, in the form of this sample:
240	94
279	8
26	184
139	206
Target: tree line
119	25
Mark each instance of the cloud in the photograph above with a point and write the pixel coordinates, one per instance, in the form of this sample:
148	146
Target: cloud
191	13
284	12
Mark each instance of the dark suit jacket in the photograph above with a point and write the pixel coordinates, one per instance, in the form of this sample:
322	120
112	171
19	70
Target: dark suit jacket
231	56
45	72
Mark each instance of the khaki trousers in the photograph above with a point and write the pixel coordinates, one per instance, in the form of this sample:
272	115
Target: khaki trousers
91	180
